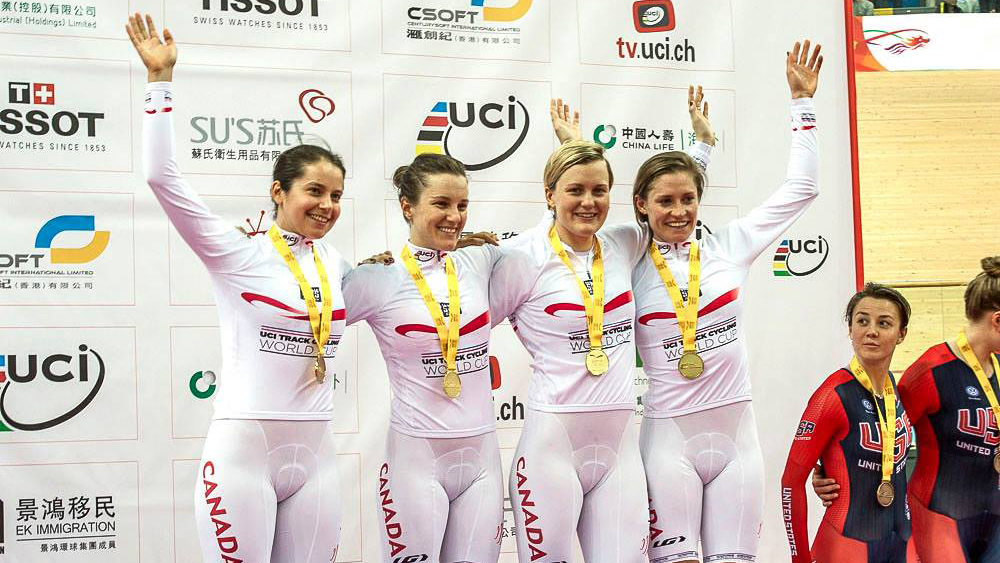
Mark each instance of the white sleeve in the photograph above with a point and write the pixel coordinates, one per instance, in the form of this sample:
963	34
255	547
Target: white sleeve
366	289
220	246
748	236
632	238
513	278
701	153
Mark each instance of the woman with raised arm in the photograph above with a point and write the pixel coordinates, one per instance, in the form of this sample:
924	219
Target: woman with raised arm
440	484
267	487
856	424
699	443
950	394
566	286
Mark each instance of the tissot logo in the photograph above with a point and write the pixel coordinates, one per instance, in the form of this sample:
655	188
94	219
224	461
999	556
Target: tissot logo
40	121
440	132
264	7
800	257
26	399
653	15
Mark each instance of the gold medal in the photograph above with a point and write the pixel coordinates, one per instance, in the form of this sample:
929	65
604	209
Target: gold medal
452	383
597	362
320	368
319	320
691	365
885	493
447	333
996	462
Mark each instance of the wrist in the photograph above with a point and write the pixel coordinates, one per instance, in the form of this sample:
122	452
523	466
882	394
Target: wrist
707	140
801	94
161	75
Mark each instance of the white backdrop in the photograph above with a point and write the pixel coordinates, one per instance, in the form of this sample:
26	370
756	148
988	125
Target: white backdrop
98	450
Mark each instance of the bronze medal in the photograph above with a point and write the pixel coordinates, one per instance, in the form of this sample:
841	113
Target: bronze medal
597	361
885	494
691	365
996	462
452	383
320	369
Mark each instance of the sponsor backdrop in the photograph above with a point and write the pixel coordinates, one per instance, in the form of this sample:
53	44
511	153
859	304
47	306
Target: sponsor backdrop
108	334
926	42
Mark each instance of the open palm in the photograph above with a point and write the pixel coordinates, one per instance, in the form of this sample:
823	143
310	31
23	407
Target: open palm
802	69
159	56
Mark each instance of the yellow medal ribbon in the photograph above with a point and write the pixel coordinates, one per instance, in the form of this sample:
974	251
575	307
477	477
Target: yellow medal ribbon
447	334
319	322
597	360
984	382
690	364
885	492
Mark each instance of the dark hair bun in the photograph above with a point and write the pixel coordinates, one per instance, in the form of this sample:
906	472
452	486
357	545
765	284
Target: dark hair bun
399	177
991	266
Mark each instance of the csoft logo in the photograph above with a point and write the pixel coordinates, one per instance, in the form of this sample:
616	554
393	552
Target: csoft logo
21	385
506	14
14	120
606	135
800	257
650	16
64	223
435	134
202	384
316	105
899	41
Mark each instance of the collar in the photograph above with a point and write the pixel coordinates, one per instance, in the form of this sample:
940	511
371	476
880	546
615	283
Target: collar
427	258
676	250
295	241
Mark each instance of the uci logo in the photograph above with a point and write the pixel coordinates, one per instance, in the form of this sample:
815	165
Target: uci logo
653	15
800	257
66	386
508	123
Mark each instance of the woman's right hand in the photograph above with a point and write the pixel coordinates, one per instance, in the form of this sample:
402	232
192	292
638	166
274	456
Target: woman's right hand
826	489
158	56
565	128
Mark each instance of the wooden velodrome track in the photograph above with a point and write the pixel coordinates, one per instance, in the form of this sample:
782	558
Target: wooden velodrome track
929	151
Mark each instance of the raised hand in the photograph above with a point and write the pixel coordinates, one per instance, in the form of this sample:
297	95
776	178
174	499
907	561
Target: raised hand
564	128
158	56
699	116
802	69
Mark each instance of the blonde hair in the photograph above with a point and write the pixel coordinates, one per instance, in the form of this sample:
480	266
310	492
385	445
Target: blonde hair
569	155
982	295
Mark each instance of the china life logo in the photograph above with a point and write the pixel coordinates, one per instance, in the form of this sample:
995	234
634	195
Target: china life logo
800	257
41	391
479	134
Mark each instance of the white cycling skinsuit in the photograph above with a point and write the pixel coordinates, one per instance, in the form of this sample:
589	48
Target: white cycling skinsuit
267	487
440	486
699	439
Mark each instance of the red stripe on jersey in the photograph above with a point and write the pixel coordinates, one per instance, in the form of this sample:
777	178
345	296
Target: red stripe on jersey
718	303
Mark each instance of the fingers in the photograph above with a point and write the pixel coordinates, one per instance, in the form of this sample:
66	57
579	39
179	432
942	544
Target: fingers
805	53
794	56
690	94
553	112
576	118
141	27
815	57
819	64
704	111
168	37
151	26
131	34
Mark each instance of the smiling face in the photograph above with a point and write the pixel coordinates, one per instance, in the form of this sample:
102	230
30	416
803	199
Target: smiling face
581	199
311	206
875	330
671	206
439	214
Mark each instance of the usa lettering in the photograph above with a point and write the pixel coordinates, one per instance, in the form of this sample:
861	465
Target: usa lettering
981	423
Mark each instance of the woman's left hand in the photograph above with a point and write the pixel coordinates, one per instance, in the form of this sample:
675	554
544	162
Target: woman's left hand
384	258
566	128
478	239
